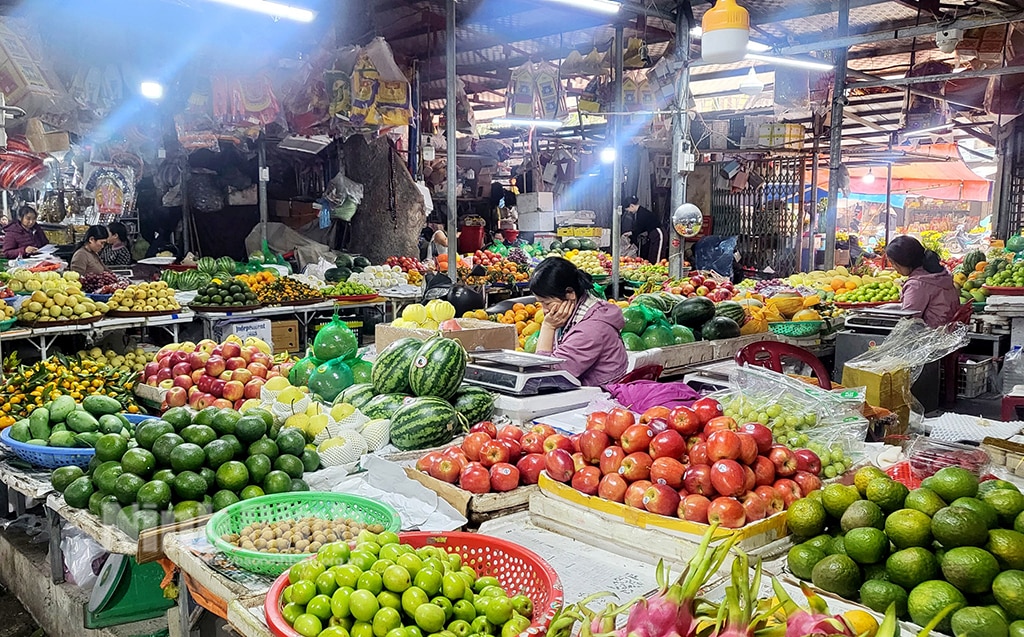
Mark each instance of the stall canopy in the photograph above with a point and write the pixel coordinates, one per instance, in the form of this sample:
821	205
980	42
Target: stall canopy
940	174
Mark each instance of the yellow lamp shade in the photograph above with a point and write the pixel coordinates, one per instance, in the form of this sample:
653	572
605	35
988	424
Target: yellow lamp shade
726	30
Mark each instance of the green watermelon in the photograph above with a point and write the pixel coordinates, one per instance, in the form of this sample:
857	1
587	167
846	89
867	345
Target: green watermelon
356	395
635	320
693	312
227	264
475	404
422	423
383	406
657	336
720	327
391	370
632	342
170	277
207	264
731	309
571	244
438	368
343	261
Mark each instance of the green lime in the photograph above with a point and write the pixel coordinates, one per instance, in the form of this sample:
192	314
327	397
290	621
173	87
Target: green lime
155	495
862	513
138	461
189	485
63	476
200	435
970	569
958	526
992	485
233	476
310	460
1007	503
911	567
837	574
929	598
866	545
251	491
164	475
164	445
951	483
126	486
110	447
223	499
307	625
909	527
224	421
806	518
878	595
188	510
78	492
983	510
299	485
264	446
277	482
1008	589
291	441
836	498
802	558
250	428
977	621
147	433
187	457
320	607
1007	547
865	475
888	494
177	417
218	452
924	500
289	464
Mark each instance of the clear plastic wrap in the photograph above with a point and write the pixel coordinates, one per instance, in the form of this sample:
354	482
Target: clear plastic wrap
83	558
1013	369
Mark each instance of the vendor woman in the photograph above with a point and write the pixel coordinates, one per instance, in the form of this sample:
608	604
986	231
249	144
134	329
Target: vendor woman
578	327
86	259
24	237
929	289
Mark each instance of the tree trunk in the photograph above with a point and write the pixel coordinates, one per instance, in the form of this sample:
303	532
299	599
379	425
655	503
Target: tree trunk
376	234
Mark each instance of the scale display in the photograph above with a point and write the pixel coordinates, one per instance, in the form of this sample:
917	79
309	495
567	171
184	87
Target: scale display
516	382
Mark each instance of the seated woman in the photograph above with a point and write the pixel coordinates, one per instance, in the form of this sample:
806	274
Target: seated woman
23	237
578	326
86	259
929	288
116	252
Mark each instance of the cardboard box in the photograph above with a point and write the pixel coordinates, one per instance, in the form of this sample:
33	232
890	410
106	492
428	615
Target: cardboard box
534	201
540	221
477	508
285	335
475	334
243	328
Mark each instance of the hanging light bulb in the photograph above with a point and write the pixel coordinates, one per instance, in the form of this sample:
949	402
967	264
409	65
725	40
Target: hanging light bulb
751	84
868	178
725	30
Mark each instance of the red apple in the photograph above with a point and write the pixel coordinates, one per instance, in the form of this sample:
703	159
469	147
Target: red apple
492	452
783	459
557	441
684	420
636	466
532	443
475	478
807	460
445	469
181	369
515	451
587	480
655	413
177	396
258	370
707	408
789	490
164	374
178	357
530	467
612	487
634	496
592	443
151	369
543	430
215	366
617	421
764	471
578	462
723	445
268	362
485	426
661	499
727	512
559	465
696	438
749	479
807	481
195	400
596	420
230	349
457	455
192	390
472	444
611	459
196	375
510	432
574	440
748	448
697	479
694	508
762	436
773	501
719	423
636	438
217	387
234	363
223	403
504	477
668	471
233	390
253	387
206	345
728	478
241	375
427	461
658	425
184	381
668	444
699	454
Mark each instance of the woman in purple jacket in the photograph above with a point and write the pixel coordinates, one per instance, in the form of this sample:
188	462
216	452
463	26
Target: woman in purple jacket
929	289
578	327
23	237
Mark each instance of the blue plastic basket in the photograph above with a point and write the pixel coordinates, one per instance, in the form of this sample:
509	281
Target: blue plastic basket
48	457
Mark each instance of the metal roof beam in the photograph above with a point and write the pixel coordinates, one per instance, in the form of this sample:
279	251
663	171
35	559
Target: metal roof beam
939	77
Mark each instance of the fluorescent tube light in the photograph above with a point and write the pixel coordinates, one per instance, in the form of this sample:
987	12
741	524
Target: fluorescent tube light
927	131
151	90
275	9
604	6
512	122
800	63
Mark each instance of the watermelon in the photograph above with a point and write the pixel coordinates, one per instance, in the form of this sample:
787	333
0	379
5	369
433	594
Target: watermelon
356	395
391	370
438	368
720	327
475	404
226	264
383	406
733	310
632	342
682	334
207	264
343	261
422	423
571	244
657	336
635	320
693	312
170	277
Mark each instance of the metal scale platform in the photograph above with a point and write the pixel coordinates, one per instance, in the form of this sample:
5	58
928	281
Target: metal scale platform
518	373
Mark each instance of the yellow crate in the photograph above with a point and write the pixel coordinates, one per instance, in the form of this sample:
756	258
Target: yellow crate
566	232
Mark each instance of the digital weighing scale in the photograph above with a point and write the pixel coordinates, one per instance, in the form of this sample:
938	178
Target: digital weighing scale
876	319
518	373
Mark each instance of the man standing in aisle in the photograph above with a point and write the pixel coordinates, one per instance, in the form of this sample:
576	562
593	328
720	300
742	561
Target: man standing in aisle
646	233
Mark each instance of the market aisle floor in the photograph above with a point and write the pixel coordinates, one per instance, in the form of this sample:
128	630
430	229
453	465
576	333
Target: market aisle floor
17	622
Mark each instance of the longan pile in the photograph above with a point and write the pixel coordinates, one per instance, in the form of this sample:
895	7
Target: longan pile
298	536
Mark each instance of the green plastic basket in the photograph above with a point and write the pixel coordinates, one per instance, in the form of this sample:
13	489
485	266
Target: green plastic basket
795	329
290	506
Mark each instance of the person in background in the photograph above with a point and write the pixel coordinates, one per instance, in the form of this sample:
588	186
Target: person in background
929	288
23	237
433	241
117	251
578	327
645	232
86	259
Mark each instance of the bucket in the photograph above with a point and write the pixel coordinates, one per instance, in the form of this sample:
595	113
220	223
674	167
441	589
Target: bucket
471	239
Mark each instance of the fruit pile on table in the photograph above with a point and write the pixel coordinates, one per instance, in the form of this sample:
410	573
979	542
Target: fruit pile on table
225	292
150	298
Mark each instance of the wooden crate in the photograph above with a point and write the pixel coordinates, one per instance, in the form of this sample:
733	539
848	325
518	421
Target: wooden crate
676	358
475	507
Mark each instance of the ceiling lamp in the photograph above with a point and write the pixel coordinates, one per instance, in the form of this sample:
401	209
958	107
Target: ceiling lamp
274	9
868	178
604	6
725	31
751	84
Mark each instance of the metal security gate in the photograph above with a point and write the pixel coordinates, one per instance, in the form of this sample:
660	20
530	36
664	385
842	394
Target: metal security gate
1010	204
765	215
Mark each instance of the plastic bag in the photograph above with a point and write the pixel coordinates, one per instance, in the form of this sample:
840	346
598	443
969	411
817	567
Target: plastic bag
361	369
299	374
757	321
335	340
330	378
83	558
1013	369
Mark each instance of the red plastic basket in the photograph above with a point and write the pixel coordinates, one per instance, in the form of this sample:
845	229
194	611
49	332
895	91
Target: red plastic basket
519	570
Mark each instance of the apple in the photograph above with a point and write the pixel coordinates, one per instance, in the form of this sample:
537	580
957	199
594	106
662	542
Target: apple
196	375
699	454
684	420
807	481
215	366
749	479
696	438
694	508
217	387
532	443
592	443
204	383
427	461
472	444
764	471
181	369
612	487
530	467
668	444
230	349
754	507
543	430
164	374
668	471
248	351
226	376
658	425
574	440
178	357
578	462
596	420
444	469
636	466
485	426
773	501
617	421
184	381
475	478
728	478
611	459
151	369
719	423
166	383
188	347
268	362
195	399
557	441
223	403
634	496
709	284
192	390
457	455
655	413
702	290
697	479
636	438
559	465
258	370
510	432
242	375
728	512
661	499
748	448
789	490
783	459
177	396
762	436
723	445
587	480
707	408
492	452
515	450
504	477
254	387
807	460
206	345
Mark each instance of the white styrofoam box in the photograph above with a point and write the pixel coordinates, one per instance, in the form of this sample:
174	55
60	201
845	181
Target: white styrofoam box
243	328
534	201
545	238
540	221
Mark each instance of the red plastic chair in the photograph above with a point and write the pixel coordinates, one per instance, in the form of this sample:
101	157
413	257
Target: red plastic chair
769	354
647	372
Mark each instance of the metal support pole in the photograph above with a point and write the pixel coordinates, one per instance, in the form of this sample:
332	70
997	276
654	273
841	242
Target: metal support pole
680	128
888	199
812	229
452	157
835	145
414	125
186	212
617	164
264	178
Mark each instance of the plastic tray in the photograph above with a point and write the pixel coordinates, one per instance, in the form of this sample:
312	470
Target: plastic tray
519	570
42	324
355	298
795	329
48	457
6	324
126	314
1003	291
298	303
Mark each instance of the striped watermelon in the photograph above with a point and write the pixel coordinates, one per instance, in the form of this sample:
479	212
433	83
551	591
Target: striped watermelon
356	395
391	370
438	368
731	309
422	423
474	403
383	406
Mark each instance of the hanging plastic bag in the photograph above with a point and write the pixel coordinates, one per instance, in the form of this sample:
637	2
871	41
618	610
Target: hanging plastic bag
330	379
299	374
335	340
757	321
361	369
531	343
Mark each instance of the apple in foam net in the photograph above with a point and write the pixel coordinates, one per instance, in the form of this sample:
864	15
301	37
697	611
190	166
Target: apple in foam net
530	467
612	487
635	493
661	499
668	444
587	480
694	507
